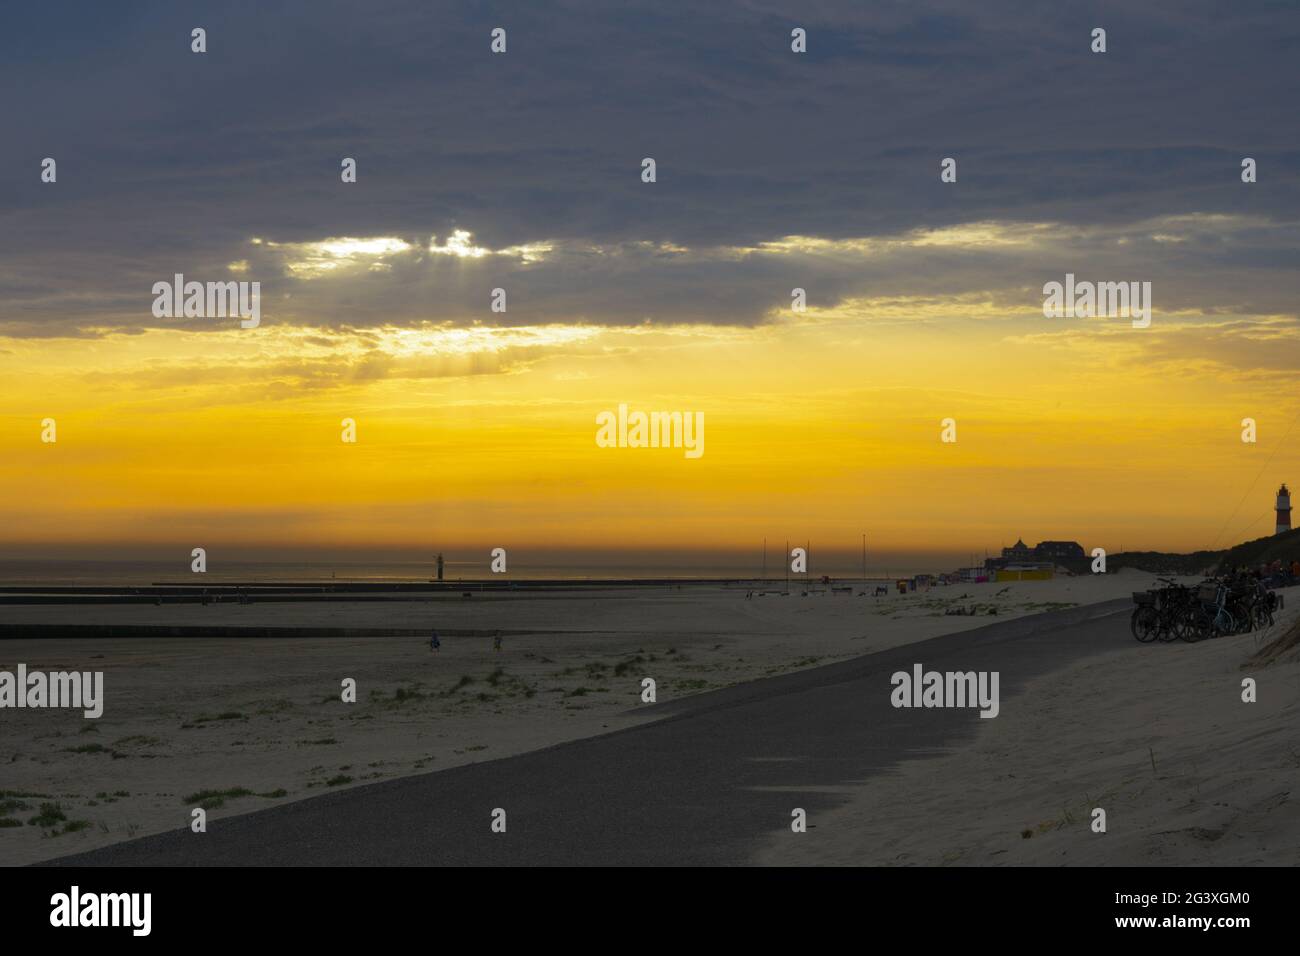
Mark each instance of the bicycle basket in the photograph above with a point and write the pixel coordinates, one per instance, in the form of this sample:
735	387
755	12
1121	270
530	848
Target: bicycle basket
1144	598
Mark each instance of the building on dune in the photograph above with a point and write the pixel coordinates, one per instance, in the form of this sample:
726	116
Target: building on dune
1059	552
1039	563
1017	553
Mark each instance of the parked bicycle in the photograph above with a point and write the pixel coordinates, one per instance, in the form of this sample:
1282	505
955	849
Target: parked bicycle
1217	613
1161	614
1230	604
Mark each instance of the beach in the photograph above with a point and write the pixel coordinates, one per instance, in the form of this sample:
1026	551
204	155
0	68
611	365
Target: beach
1158	736
238	724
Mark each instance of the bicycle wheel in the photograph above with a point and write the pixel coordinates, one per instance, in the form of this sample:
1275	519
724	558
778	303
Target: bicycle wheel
1262	615
1196	626
1175	623
1145	624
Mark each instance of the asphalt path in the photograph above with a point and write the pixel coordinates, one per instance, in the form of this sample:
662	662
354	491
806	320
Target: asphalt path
707	784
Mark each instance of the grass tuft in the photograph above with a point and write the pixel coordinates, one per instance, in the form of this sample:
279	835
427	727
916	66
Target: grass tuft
87	749
211	799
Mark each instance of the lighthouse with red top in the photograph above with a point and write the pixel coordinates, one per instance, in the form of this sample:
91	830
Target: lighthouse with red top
1283	510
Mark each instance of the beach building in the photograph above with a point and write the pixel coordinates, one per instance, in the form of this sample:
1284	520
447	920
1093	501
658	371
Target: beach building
1018	552
1044	556
1060	552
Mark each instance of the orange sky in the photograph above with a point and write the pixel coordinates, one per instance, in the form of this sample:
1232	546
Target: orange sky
822	425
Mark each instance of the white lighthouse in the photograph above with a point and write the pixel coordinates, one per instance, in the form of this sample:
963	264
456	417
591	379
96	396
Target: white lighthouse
1283	510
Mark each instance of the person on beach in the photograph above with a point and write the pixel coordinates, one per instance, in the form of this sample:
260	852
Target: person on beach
496	641
434	643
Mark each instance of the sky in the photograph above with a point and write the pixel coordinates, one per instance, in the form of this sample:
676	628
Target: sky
775	170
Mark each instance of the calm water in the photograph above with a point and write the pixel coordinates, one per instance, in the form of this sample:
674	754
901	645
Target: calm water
139	572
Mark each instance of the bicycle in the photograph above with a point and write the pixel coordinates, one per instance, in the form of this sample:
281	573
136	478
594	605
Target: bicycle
1210	616
1161	614
1145	621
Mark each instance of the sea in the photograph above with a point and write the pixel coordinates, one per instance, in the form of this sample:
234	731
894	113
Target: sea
66	572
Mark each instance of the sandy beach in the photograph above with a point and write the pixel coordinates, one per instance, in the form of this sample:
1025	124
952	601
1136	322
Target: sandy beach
1209	780
237	724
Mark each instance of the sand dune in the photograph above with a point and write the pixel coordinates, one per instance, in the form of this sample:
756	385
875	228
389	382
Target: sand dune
1156	735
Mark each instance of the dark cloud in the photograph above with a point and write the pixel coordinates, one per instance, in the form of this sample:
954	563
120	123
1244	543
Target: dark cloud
171	161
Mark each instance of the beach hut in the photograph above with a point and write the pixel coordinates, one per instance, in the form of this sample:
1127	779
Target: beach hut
1025	572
